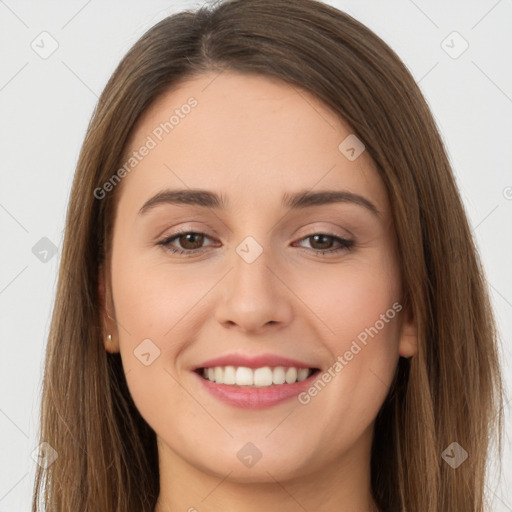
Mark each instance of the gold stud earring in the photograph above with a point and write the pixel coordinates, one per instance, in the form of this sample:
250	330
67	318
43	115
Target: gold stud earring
109	343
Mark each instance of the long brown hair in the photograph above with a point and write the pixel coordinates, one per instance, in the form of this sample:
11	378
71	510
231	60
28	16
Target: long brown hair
451	391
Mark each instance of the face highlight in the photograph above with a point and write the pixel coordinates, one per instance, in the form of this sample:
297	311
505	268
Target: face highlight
246	231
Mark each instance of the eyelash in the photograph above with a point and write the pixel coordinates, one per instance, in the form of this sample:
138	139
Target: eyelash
346	245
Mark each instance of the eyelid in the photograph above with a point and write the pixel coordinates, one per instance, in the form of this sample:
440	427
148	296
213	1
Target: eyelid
183	231
344	244
310	231
315	229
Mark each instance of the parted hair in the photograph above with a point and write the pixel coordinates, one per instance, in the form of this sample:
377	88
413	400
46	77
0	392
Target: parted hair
450	391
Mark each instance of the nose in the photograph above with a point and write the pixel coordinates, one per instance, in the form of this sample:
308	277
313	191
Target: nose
254	296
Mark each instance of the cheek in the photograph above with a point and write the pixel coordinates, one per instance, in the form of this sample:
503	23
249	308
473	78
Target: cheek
359	305
354	299
153	308
153	300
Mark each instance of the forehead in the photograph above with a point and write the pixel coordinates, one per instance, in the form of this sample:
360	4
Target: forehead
249	136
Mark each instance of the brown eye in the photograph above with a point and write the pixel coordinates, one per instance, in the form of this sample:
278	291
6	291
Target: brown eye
322	243
191	241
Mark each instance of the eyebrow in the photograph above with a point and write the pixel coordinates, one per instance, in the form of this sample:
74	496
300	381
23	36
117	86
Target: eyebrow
293	201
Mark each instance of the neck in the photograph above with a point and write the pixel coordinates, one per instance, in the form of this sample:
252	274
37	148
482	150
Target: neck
343	485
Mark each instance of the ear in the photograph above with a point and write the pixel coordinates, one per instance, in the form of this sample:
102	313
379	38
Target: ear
107	314
408	346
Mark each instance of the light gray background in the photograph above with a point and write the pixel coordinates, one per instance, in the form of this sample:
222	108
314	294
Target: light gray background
45	105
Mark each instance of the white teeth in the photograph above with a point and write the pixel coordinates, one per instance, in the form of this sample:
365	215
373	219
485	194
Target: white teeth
258	377
230	375
279	376
263	377
218	373
302	374
244	376
291	375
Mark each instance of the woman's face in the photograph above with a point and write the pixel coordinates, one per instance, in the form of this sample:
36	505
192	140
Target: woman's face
269	274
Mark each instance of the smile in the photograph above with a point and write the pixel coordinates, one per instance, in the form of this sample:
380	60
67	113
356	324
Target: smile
260	387
255	377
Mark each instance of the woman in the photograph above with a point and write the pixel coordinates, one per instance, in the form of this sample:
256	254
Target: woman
269	297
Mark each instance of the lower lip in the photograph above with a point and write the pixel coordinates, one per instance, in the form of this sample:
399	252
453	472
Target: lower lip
256	398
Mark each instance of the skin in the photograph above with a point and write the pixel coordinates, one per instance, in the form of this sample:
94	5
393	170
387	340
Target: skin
253	139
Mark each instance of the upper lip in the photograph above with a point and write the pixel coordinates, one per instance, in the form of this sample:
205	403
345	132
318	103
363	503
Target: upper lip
253	361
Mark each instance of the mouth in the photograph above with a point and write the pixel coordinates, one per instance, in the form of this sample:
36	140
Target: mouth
263	377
